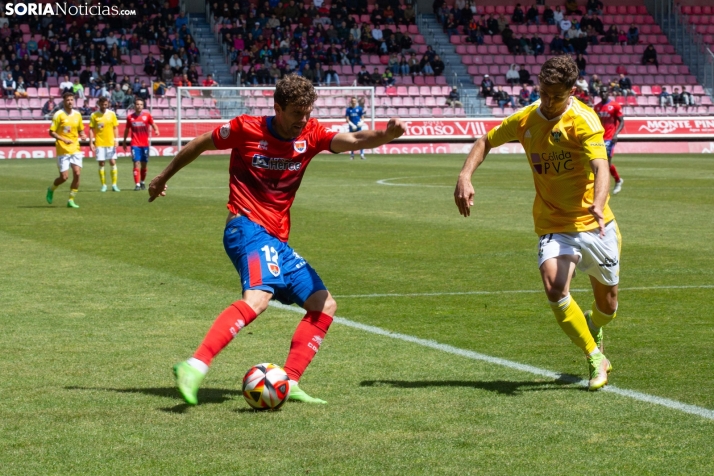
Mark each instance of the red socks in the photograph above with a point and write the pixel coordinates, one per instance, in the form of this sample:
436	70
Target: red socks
136	176
224	329
613	172
306	342
143	174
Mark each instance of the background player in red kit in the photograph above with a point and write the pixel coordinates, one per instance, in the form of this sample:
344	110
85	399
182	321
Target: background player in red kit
610	113
138	122
268	159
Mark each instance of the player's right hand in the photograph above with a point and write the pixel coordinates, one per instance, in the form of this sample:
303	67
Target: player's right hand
66	141
464	196
157	188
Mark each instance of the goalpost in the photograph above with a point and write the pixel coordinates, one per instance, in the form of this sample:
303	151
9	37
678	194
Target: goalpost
202	109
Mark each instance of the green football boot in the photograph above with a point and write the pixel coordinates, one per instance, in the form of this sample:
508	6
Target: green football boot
599	366
599	336
71	204
50	195
298	395
115	188
188	379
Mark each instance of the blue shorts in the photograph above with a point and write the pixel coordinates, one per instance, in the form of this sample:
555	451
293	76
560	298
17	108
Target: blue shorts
139	154
267	264
609	148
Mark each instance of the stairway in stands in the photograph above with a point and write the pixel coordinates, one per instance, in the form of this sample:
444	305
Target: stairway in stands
455	71
212	56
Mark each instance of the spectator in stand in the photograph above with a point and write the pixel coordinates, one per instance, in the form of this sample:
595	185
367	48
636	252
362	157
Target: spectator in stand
581	84
403	66
475	32
571	7
454	98
548	15
591	35
518	17
48	108
331	75
594	7
535	95
176	64
110	76
665	98
160	87
20	89
595	85
650	56
582	64
558	15
556	45
31	76
525	76
532	16
150	65
633	35
564	24
263	75
508	40
376	77
622	38
524	97
425	66
492	26
275	74
503	98
502	22
143	92
625	86
78	89
437	65
682	99
486	86
512	76
611	35
393	63
537	45
364	78
524	46
66	85
209	82
613	87
387	78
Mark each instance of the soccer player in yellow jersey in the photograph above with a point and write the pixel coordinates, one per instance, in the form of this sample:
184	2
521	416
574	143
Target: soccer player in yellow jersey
103	134
67	128
563	139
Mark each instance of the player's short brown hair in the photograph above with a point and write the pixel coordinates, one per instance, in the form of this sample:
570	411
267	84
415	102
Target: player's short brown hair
295	90
140	99
67	94
102	99
559	70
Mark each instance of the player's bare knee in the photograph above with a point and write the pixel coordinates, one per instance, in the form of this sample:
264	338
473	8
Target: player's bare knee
321	301
257	300
330	306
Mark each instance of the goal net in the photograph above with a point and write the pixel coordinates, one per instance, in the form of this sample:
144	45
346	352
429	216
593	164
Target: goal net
202	109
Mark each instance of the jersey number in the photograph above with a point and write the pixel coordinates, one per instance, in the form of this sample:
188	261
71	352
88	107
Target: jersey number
271	256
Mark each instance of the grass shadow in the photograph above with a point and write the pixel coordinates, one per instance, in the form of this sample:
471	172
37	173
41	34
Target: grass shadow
205	395
502	387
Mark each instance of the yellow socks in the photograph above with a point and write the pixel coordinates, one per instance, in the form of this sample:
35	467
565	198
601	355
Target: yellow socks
114	175
53	187
572	320
101	175
72	193
599	318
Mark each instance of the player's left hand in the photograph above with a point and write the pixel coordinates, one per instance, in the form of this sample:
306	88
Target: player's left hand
395	128
599	216
157	188
464	196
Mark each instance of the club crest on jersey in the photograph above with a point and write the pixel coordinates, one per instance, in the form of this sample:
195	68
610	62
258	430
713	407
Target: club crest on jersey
225	131
300	146
556	135
274	269
263	145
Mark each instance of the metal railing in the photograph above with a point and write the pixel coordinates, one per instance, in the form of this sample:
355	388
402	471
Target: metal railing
687	42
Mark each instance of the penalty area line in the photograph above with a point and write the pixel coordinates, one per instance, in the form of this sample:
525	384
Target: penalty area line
469	354
514	291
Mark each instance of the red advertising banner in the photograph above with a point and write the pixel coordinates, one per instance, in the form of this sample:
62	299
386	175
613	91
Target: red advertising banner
671	147
417	129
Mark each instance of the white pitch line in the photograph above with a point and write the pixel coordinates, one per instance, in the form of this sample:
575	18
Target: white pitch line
515	291
386	182
469	354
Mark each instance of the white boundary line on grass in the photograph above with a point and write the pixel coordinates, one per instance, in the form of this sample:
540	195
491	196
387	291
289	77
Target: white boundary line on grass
386	182
515	291
642	397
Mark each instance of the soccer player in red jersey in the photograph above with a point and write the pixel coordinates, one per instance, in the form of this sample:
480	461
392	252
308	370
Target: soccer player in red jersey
138	123
269	156
611	117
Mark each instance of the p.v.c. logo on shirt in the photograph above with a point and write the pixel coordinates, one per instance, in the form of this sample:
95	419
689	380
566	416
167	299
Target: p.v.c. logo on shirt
556	135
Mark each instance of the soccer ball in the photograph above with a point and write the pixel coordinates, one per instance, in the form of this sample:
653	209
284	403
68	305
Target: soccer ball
266	387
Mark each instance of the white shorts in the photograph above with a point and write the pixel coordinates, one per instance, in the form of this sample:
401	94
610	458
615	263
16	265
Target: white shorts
598	257
106	153
63	161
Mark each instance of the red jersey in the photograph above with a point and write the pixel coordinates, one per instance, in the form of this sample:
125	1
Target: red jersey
139	124
265	171
608	112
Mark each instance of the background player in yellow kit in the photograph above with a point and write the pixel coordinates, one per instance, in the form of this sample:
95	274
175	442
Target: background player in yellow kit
563	139
103	133
67	128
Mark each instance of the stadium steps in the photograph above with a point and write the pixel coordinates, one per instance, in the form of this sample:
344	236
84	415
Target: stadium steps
212	55
455	71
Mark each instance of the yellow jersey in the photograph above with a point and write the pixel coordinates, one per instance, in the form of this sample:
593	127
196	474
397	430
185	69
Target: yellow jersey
103	127
67	126
559	152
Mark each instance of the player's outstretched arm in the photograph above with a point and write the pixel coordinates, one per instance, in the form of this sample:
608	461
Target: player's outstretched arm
202	143
464	193
601	170
368	139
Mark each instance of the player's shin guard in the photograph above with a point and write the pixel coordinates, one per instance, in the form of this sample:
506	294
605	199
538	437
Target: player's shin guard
599	318
613	172
136	176
224	329
101	175
572	320
306	342
114	173
143	174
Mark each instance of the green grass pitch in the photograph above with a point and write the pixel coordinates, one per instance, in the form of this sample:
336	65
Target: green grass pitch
96	304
